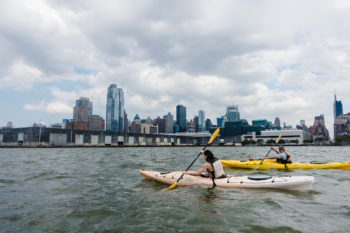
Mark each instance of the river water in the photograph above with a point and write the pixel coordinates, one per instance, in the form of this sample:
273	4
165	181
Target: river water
101	190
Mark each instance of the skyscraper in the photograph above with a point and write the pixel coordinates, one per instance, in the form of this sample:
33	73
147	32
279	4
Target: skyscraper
337	107
82	110
342	125
181	117
201	121
277	122
232	113
136	125
169	123
319	128
196	124
220	121
115	109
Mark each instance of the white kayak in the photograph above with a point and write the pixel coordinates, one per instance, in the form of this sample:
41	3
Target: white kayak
253	181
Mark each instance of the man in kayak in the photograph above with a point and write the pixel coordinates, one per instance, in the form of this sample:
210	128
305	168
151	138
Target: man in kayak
213	166
282	155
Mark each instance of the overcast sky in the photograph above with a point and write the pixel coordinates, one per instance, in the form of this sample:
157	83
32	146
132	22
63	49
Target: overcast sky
271	58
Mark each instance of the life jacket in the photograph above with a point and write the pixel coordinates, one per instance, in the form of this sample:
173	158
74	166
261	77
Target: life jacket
288	160
218	170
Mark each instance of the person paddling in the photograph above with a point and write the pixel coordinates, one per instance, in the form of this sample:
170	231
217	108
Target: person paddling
282	155
212	165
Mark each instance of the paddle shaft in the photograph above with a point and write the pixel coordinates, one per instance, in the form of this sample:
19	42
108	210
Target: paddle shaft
213	136
270	150
191	164
265	156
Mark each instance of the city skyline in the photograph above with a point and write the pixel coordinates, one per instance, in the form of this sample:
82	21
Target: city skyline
115	106
205	57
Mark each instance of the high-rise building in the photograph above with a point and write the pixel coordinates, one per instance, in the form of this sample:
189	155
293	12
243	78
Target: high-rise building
302	125
208	124
337	107
82	110
277	122
319	130
169	123
196	124
161	124
149	120
201	121
181	118
232	113
136	125
220	121
342	125
96	123
190	126
126	122
115	109
83	118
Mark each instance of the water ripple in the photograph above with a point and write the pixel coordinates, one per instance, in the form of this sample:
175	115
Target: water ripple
101	190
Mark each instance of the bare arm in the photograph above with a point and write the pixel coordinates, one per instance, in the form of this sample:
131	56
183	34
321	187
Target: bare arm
272	148
273	157
205	166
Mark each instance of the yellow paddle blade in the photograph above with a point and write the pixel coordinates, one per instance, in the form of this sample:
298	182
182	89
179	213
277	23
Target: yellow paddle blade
278	138
214	135
173	186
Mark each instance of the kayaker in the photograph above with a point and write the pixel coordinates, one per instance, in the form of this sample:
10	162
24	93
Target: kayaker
213	166
282	155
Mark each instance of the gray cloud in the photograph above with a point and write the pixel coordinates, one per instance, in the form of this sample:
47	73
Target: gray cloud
272	58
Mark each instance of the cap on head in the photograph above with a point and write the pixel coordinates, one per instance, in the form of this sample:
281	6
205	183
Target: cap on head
281	147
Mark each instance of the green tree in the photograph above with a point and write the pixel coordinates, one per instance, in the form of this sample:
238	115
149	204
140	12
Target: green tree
282	141
344	139
319	140
270	141
252	142
245	142
296	141
306	141
260	142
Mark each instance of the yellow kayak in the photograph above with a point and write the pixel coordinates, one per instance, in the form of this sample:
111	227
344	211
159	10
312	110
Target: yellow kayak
272	164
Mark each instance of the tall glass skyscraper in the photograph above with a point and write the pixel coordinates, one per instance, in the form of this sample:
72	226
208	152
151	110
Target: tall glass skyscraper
337	107
115	109
201	121
181	118
232	113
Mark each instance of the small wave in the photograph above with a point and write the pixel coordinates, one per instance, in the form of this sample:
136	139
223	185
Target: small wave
41	175
132	165
6	182
272	203
90	213
256	228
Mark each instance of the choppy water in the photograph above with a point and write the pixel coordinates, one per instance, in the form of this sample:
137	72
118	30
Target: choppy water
101	190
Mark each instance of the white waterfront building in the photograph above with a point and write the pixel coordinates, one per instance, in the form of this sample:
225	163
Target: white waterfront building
287	135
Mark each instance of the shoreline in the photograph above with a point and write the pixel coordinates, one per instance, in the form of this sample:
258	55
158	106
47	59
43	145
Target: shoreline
143	146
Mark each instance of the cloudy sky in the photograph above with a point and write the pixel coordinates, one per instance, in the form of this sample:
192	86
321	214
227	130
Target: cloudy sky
271	58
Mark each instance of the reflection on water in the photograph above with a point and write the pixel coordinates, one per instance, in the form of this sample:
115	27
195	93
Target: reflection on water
208	195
